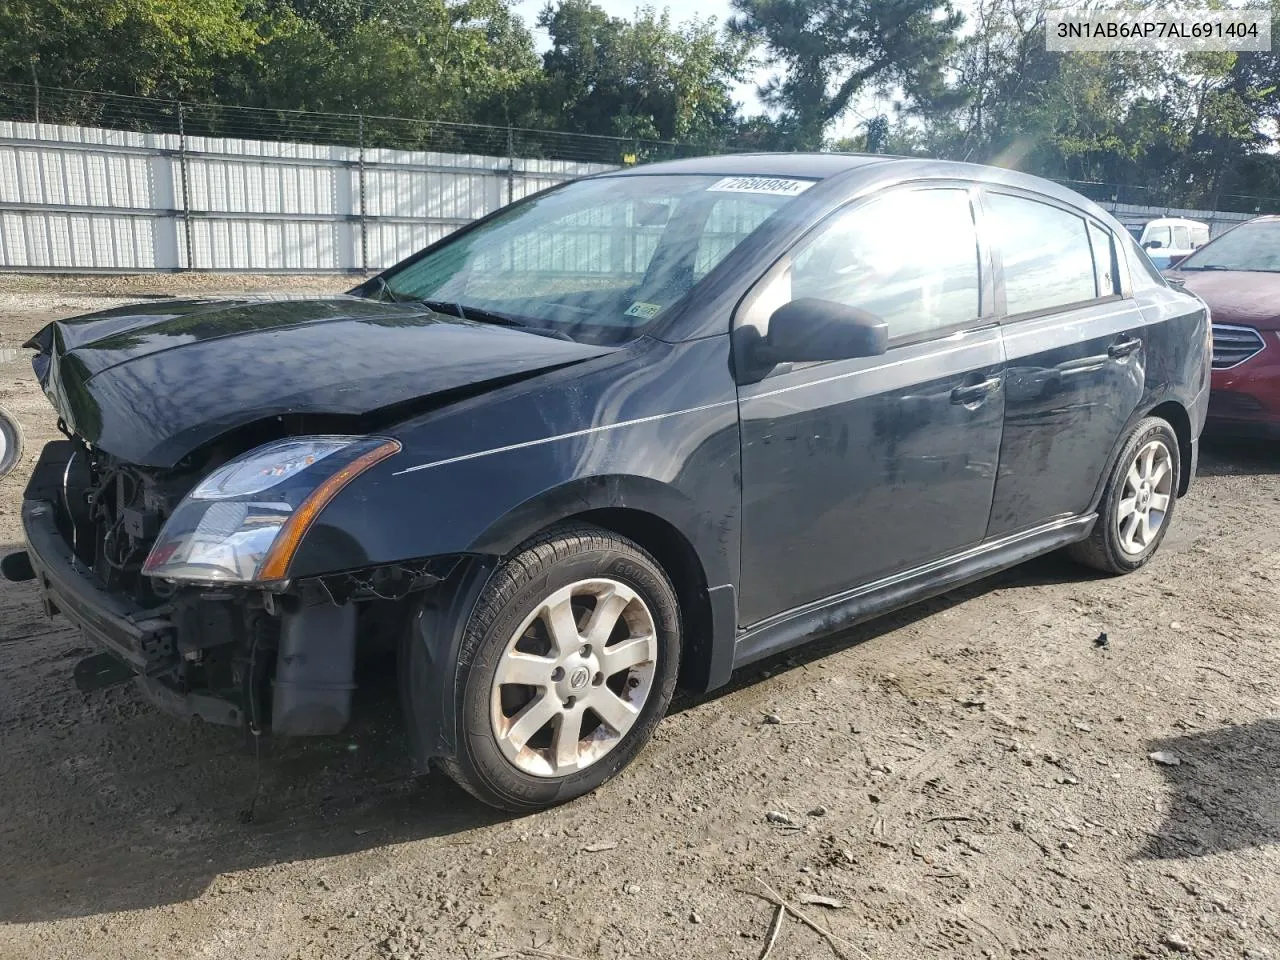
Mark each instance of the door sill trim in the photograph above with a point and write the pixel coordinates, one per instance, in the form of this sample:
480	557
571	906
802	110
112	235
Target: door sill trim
840	611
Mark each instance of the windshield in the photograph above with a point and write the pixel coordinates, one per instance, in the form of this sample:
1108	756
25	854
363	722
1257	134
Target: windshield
597	260
1252	246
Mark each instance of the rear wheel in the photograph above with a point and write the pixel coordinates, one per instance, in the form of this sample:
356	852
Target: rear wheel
568	664
1138	502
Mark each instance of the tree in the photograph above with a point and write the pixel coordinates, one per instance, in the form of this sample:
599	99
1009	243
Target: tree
430	59
832	50
164	48
644	78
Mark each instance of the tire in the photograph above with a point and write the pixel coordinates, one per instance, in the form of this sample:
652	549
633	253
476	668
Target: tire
1120	542
508	756
10	442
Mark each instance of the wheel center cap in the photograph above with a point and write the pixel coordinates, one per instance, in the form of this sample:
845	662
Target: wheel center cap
1144	497
579	678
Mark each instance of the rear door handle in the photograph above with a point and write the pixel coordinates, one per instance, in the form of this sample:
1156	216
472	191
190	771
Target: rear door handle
1122	348
976	393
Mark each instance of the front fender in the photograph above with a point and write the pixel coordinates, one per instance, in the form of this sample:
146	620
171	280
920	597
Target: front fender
656	433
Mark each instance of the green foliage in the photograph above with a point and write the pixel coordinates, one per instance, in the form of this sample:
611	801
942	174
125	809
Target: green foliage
642	78
830	51
420	58
167	48
1177	125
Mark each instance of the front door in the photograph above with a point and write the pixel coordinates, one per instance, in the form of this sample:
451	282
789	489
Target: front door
857	470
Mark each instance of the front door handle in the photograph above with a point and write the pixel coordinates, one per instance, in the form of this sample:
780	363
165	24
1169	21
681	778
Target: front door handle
976	393
1122	348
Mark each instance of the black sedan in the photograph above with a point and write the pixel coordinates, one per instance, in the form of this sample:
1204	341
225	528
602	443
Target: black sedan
637	430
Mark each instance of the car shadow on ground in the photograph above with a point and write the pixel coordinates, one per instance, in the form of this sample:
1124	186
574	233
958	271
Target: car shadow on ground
1225	792
1238	456
162	812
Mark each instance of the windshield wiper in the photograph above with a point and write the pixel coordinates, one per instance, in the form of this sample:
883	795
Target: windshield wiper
485	315
1206	266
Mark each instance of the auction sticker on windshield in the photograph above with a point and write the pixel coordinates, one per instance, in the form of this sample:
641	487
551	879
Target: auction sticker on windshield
779	186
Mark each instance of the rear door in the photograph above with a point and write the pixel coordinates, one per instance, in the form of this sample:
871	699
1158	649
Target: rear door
856	470
1074	348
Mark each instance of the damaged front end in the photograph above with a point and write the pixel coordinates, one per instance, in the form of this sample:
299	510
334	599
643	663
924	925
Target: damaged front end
175	582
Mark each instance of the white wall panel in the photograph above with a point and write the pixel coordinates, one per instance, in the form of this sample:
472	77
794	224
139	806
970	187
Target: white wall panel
254	205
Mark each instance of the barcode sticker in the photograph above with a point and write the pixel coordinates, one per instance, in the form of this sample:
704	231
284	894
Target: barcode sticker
778	186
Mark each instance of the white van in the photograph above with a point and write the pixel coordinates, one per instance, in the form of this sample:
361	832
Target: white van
1168	239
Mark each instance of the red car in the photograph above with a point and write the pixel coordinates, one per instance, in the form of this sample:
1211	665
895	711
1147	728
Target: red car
1238	276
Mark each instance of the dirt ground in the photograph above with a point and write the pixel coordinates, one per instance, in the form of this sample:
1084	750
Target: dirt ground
970	777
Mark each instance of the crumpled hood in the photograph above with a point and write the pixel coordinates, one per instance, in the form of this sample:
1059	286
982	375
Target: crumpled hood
1248	298
151	382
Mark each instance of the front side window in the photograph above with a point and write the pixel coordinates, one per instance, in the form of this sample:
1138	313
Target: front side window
1047	257
1251	247
598	260
909	257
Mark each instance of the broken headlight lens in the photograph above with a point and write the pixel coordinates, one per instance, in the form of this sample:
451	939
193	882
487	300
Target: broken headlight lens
243	522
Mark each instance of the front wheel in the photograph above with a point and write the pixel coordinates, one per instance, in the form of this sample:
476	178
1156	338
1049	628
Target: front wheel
568	663
1138	502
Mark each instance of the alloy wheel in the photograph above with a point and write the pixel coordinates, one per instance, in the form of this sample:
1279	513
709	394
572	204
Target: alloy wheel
1144	501
574	677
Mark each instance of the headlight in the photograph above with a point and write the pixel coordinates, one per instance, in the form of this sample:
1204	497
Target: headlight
243	522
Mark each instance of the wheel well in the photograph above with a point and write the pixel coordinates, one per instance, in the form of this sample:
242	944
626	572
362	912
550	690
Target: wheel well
677	557
1176	415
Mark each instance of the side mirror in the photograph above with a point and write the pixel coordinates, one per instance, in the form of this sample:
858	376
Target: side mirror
811	329
1153	244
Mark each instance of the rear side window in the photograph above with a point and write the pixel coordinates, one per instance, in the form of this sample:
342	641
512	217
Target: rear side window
1181	238
1048	260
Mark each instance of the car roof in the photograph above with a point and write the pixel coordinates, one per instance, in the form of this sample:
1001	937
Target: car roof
822	166
816	166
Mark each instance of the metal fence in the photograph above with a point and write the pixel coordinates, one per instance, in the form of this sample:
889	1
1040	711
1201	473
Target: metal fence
104	182
97	182
1126	195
